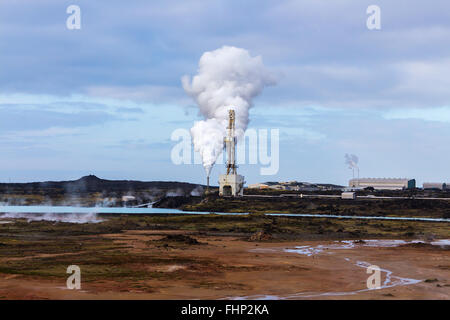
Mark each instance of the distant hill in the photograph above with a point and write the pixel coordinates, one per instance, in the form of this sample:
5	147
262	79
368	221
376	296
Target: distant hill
297	186
92	183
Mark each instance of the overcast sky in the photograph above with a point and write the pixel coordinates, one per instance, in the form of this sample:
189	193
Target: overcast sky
105	99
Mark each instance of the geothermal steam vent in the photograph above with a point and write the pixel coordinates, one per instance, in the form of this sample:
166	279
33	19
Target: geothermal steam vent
228	79
231	183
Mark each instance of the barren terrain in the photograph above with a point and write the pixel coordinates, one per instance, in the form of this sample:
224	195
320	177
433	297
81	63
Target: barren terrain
202	258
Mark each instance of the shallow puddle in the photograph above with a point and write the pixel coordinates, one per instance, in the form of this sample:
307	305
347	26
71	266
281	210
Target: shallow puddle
390	281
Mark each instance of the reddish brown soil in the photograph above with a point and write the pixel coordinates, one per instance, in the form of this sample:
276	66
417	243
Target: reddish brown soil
237	268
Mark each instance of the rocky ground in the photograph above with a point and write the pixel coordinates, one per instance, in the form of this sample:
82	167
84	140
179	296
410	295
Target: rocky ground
220	257
334	206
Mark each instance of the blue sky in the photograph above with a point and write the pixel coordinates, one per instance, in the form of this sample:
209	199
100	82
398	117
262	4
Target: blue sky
105	99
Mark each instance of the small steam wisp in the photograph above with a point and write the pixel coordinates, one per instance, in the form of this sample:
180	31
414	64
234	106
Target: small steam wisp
351	161
228	78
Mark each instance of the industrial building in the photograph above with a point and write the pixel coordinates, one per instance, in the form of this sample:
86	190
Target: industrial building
231	183
383	183
295	186
435	185
348	195
258	186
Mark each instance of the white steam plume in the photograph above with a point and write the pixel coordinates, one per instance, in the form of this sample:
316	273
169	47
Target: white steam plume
58	217
351	161
228	78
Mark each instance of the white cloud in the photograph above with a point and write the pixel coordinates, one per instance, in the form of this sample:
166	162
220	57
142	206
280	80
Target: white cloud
38	134
441	114
144	93
425	79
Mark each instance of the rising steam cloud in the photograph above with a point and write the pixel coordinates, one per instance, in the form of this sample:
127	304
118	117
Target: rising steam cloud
228	78
351	161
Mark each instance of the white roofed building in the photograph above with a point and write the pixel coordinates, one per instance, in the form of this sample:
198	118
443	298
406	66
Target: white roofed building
435	185
383	183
